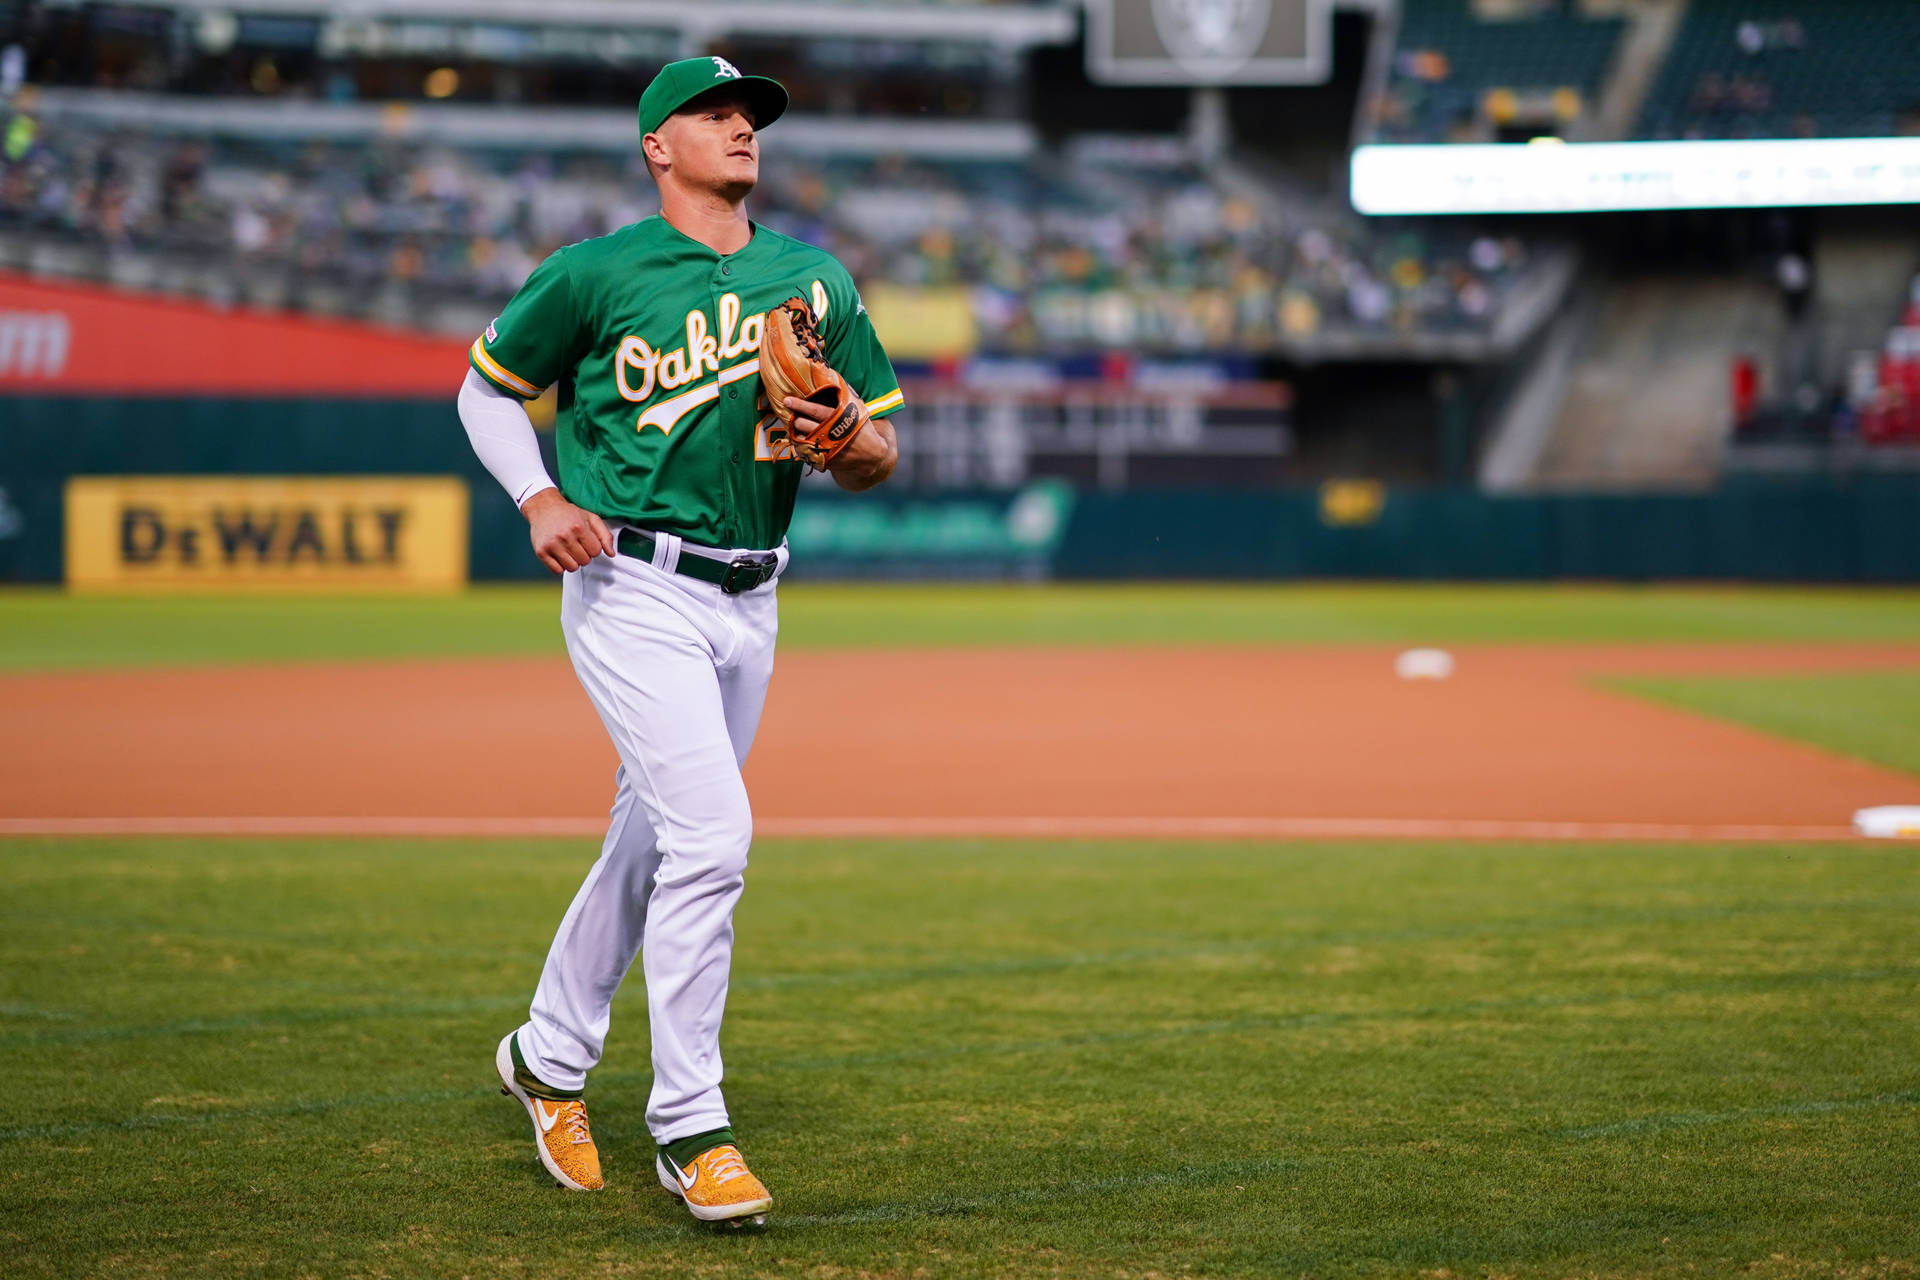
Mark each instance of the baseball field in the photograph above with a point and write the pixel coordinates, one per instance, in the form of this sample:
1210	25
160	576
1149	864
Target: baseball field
1115	932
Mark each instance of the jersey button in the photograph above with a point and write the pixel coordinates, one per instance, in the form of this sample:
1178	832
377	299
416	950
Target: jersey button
726	269
733	393
736	455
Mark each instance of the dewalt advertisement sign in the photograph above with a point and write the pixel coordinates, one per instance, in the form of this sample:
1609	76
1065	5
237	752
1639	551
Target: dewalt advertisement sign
194	533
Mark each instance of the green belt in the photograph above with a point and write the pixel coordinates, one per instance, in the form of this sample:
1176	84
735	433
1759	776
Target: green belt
743	573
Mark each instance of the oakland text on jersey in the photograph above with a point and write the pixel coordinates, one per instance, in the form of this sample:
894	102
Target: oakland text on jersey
703	353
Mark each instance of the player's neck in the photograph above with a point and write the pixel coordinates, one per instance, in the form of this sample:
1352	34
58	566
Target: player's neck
714	220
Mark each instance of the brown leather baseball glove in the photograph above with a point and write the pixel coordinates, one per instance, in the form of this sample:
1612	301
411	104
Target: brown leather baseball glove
793	362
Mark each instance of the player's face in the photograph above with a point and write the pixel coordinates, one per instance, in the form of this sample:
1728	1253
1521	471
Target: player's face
714	146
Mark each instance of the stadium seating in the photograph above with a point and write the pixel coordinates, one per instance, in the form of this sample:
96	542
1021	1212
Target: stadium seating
1448	60
1061	253
1781	69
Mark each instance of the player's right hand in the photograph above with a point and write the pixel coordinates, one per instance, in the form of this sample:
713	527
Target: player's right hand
564	536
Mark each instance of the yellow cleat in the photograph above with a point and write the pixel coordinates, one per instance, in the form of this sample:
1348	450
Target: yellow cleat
560	1132
717	1187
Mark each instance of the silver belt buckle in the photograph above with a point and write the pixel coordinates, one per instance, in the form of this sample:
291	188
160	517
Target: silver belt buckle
748	571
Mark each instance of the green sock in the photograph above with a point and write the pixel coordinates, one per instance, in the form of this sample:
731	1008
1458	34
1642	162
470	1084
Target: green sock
530	1084
682	1151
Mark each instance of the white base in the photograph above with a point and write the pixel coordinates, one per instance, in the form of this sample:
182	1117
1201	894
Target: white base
1423	664
1889	821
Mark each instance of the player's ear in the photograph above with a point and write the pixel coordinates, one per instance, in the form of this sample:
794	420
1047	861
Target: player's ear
654	148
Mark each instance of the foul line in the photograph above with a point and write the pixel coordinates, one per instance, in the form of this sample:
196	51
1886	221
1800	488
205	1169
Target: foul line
1086	828
1294	829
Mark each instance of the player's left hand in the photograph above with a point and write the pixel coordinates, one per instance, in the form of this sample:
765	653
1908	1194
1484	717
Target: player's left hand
817	414
868	458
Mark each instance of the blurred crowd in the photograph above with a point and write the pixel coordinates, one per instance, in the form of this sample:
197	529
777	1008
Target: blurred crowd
1103	254
1748	70
1725	100
1462	75
1066	254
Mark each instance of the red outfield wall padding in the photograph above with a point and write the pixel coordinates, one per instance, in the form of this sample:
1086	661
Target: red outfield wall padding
62	338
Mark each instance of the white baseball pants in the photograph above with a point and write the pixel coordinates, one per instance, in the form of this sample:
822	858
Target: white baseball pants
678	672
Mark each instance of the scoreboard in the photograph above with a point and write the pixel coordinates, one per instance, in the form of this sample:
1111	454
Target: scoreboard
1209	42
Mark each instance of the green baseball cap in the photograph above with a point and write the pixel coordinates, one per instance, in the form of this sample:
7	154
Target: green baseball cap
681	82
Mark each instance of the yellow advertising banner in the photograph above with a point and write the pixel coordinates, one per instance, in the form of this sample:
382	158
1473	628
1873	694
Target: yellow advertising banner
923	323
195	533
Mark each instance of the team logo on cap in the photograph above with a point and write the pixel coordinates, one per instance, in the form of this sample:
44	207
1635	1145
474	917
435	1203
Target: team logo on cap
725	69
1212	38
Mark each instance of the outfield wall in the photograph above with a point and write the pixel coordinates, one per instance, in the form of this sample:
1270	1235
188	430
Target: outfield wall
1814	528
46	440
1808	530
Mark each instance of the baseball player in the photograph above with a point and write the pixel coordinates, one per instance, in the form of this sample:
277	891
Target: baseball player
668	526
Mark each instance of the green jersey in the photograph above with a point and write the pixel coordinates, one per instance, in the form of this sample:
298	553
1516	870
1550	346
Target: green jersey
654	340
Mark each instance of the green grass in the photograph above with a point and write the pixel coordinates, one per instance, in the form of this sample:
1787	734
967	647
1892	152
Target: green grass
42	629
985	1059
1871	715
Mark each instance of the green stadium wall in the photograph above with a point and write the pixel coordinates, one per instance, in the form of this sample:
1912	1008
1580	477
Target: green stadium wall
1803	530
1865	528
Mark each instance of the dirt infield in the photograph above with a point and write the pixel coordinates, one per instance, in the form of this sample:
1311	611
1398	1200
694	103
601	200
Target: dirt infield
1032	741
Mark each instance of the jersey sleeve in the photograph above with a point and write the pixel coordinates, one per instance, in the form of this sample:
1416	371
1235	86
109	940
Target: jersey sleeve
531	343
854	350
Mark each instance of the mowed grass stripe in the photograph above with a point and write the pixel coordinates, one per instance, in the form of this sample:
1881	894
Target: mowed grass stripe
1318	1019
1303	1020
1191	1177
1344	1060
1025	967
279	1018
1694	1119
43	629
238	1115
325	1106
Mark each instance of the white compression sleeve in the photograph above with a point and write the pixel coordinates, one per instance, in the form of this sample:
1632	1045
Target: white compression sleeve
502	437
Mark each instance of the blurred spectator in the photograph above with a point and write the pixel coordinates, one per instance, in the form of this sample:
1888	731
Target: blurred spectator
13	70
1746	390
20	134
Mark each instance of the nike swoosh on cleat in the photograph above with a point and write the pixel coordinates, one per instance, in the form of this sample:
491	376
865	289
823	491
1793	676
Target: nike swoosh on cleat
547	1120
681	1175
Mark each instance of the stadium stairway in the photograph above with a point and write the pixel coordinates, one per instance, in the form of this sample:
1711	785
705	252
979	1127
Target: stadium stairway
1651	28
1523	418
1641	400
1861	282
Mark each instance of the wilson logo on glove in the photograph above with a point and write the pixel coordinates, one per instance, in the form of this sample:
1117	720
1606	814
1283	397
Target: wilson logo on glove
793	362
